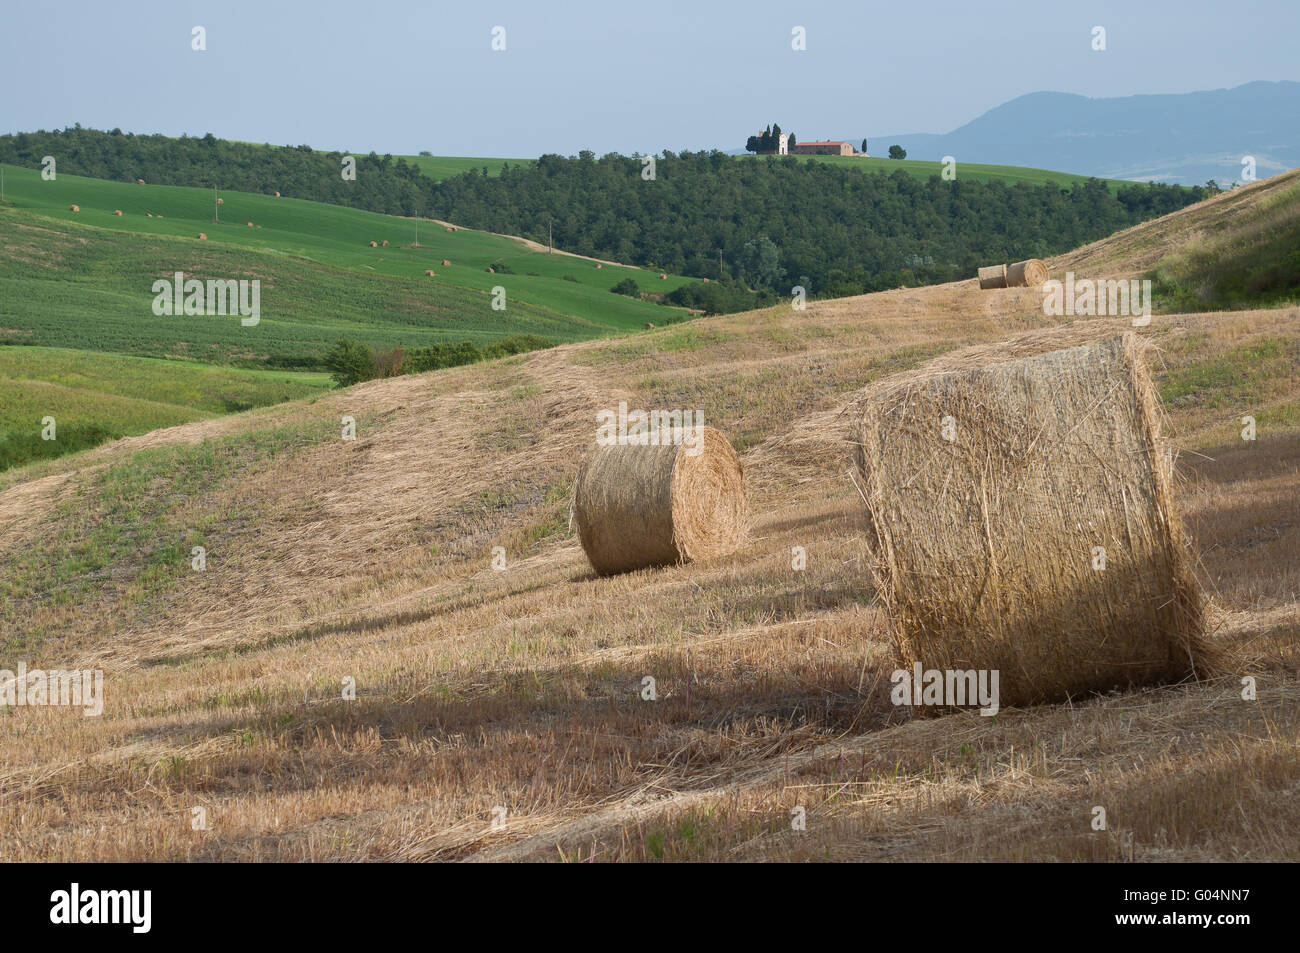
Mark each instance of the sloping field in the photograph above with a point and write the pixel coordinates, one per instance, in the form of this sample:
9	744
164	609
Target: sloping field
499	714
566	286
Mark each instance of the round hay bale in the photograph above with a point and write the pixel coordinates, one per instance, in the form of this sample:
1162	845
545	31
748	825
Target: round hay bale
598	266
201	235
995	482
117	211
221	201
649	325
451	228
74	208
374	244
993	276
150	214
384	243
639	506
445	263
139	181
429	272
662	276
276	194
491	271
1029	273
249	224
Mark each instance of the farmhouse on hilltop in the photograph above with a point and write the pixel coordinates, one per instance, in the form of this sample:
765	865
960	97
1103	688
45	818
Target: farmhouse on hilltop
773	142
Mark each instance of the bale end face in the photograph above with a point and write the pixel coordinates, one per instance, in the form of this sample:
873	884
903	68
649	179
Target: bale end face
1030	273
637	506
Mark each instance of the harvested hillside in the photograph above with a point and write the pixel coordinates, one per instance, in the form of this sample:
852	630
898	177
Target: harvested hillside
522	688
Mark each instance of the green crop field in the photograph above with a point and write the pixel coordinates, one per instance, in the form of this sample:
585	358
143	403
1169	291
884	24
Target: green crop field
444	167
94	396
76	288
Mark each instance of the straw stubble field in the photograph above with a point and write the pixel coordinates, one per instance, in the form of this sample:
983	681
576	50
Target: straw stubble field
522	688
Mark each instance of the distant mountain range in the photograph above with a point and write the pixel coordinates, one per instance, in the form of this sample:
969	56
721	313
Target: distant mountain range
1186	138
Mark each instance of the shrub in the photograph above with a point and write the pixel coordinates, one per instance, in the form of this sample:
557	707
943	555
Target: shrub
516	344
350	362
627	286
434	357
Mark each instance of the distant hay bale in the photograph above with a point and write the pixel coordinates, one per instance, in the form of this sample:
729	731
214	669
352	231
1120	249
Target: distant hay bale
491	271
429	272
374	244
384	243
598	266
74	208
117	211
1029	273
139	181
249	224
451	228
640	506
649	325
221	201
662	276
993	276
276	194
150	214
1040	540
445	263
201	235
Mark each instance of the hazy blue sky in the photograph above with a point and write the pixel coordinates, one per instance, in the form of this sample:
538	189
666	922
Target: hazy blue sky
608	76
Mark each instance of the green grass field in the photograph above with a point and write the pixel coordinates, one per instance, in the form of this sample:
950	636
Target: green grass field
76	288
570	288
444	167
94	396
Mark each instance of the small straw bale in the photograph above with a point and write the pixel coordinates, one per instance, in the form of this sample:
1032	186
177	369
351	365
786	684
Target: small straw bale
201	235
139	181
993	276
989	545
640	506
429	272
445	263
117	211
384	243
1029	273
276	194
374	244
249	224
221	201
74	208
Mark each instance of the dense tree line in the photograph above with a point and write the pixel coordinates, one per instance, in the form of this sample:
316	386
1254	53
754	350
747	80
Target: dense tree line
764	225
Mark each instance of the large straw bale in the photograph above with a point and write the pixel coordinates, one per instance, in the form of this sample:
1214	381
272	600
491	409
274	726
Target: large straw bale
1029	273
993	276
638	506
985	543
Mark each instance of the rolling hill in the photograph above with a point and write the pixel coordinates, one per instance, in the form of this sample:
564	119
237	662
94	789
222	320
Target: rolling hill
79	286
369	563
